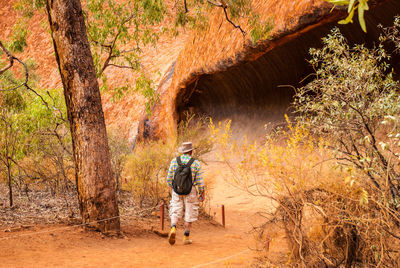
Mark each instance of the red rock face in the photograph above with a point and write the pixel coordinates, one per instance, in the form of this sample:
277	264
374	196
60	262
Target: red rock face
219	74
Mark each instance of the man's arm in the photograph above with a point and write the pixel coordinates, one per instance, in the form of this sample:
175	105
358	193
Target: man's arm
171	171
199	178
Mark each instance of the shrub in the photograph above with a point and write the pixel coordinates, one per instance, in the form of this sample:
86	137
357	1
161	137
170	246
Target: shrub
333	175
145	172
330	215
353	95
146	168
119	150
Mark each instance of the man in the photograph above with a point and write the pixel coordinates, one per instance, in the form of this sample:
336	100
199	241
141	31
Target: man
190	200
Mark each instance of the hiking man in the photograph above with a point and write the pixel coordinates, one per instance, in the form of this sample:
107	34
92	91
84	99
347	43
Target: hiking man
183	175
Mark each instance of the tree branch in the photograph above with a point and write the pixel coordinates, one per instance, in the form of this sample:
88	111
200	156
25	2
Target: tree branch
120	66
225	7
12	58
9	56
111	46
231	22
214	3
25	83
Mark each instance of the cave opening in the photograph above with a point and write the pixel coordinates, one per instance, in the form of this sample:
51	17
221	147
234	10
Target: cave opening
258	93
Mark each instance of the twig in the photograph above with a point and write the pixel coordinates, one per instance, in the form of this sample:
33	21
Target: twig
120	66
10	58
231	22
225	7
25	83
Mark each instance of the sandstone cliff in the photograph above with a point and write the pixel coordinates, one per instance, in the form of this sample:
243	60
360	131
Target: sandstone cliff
221	74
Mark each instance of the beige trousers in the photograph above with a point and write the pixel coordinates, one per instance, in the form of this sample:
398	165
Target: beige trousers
191	206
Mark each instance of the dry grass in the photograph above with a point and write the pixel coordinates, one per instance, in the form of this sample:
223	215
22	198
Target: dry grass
330	215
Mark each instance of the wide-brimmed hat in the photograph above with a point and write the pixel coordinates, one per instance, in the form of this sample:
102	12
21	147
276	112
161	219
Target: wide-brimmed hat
185	147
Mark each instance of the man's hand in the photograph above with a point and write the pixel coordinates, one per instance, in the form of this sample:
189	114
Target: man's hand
201	197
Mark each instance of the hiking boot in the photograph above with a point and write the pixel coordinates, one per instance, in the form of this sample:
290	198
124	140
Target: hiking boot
171	236
186	240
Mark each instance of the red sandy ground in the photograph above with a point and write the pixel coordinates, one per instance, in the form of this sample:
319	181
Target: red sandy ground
76	247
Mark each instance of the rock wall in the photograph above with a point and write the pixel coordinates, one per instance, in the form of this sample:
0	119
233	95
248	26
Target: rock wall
222	75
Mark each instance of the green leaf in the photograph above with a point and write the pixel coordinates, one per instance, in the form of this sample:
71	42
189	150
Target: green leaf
361	20
349	17
339	2
351	6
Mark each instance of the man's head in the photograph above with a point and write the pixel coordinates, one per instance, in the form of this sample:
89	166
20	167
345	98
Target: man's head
186	148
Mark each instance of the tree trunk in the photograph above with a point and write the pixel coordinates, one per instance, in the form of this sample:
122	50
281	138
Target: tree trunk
95	185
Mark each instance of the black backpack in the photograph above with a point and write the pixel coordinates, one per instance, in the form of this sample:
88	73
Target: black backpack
183	181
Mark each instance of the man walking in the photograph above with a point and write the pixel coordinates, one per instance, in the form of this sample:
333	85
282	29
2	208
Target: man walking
184	172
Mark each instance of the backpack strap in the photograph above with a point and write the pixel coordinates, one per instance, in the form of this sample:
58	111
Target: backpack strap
178	159
188	164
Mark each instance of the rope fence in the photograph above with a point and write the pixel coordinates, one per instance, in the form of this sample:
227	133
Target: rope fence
111	218
72	226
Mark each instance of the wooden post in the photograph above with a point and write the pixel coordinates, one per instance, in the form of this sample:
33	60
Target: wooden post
223	215
267	242
162	215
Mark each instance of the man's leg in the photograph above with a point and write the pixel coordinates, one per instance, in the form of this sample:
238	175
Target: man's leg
191	213
175	213
186	239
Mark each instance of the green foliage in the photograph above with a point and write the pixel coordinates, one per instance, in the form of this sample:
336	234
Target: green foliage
360	5
28	7
197	12
16	76
20	30
259	30
324	209
40	137
195	17
352	94
239	8
18	36
116	31
12	101
146	87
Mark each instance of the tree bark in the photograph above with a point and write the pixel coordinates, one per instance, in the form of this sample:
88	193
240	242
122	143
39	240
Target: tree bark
95	184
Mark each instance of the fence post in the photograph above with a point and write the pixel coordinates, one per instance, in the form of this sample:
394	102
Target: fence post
223	215
162	215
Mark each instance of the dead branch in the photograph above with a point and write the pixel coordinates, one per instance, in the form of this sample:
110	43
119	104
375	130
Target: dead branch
25	83
10	58
231	22
225	6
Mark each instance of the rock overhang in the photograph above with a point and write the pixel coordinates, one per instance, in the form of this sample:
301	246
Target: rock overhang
252	81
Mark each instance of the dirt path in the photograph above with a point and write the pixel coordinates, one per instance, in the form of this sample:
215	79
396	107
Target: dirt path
75	247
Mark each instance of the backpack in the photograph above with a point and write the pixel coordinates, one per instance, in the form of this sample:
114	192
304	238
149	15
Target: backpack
183	181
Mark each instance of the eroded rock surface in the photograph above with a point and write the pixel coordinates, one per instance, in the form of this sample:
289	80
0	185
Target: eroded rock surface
220	74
